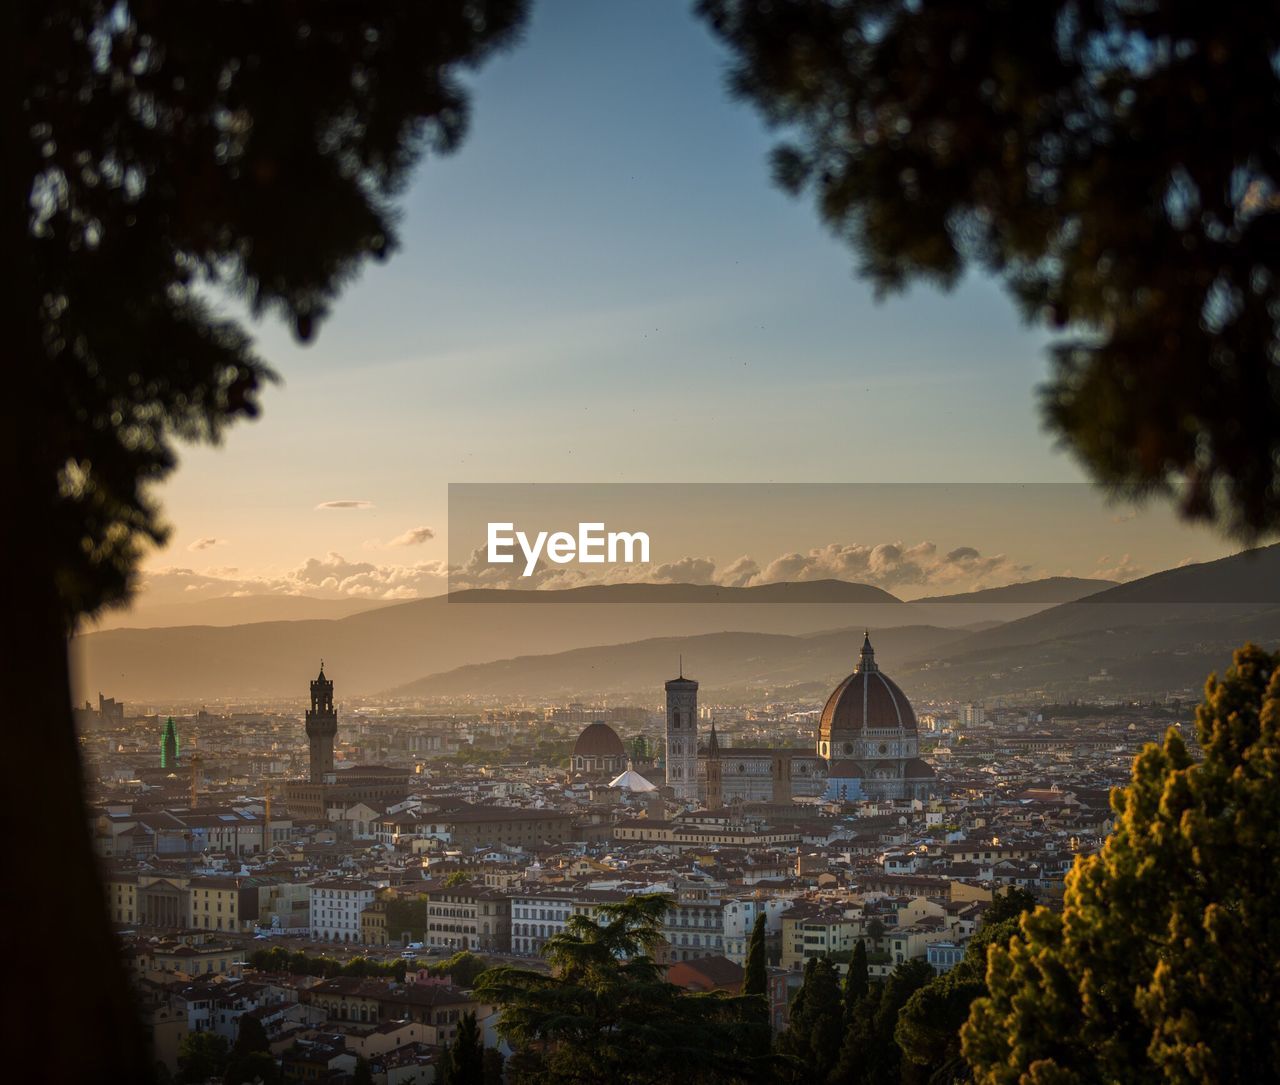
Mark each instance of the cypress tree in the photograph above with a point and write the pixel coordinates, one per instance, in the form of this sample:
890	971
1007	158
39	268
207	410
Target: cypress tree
754	975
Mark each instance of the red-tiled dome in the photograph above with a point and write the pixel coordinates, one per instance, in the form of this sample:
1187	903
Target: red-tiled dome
866	700
599	740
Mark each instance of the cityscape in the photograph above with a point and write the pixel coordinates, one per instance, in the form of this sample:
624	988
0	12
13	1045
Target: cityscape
718	542
441	841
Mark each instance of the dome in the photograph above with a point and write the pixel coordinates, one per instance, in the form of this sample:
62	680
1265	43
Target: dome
866	701
599	740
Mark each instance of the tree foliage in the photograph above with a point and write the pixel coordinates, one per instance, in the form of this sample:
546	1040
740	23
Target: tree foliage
463	1060
156	150
929	1023
1162	966
868	1053
811	1042
755	970
201	1055
1079	152
606	1013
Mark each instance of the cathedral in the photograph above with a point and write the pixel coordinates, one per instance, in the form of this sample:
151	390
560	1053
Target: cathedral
867	747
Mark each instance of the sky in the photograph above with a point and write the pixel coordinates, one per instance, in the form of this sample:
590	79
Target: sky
604	285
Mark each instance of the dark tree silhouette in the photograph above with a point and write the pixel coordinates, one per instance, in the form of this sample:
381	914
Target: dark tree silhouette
755	972
154	153
1116	163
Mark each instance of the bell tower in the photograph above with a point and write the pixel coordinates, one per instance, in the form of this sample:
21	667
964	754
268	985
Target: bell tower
682	737
322	726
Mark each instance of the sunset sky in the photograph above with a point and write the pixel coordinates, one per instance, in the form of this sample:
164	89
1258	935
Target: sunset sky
604	285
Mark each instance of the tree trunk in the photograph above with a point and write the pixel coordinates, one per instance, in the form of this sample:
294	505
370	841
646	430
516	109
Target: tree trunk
68	1003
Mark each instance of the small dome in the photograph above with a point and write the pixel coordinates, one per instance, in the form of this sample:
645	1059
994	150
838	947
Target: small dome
599	740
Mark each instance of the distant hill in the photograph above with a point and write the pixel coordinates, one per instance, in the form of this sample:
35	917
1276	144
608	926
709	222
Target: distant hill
1048	591
1161	632
725	664
232	610
391	645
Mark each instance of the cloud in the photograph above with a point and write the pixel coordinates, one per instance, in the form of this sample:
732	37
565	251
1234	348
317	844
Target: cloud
206	543
415	536
889	565
1123	569
893	565
330	577
345	505
739	573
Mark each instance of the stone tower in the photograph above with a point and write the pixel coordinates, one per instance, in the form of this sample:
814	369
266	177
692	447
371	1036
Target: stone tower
322	726
715	779
682	737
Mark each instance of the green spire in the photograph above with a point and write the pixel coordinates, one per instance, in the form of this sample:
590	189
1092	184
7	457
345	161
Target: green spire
169	746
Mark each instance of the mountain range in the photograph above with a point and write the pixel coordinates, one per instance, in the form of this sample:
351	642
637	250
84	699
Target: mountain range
1047	638
387	647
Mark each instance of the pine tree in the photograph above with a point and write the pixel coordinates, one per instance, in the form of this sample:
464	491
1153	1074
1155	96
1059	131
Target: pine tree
606	1012
755	976
1164	965
1033	141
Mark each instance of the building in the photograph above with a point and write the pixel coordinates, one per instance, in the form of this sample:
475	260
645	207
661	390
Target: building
536	916
336	908
868	734
682	737
740	920
468	917
322	727
599	752
327	794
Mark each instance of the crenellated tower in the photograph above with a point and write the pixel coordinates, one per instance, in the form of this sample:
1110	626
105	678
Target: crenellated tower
322	726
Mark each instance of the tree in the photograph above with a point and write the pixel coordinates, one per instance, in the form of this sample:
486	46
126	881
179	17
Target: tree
1077	152
157	156
363	1073
493	1066
456	879
857	980
869	1054
201	1055
250	1057
929	1023
253	1068
464	1064
1163	965
755	975
606	1013
811	1041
